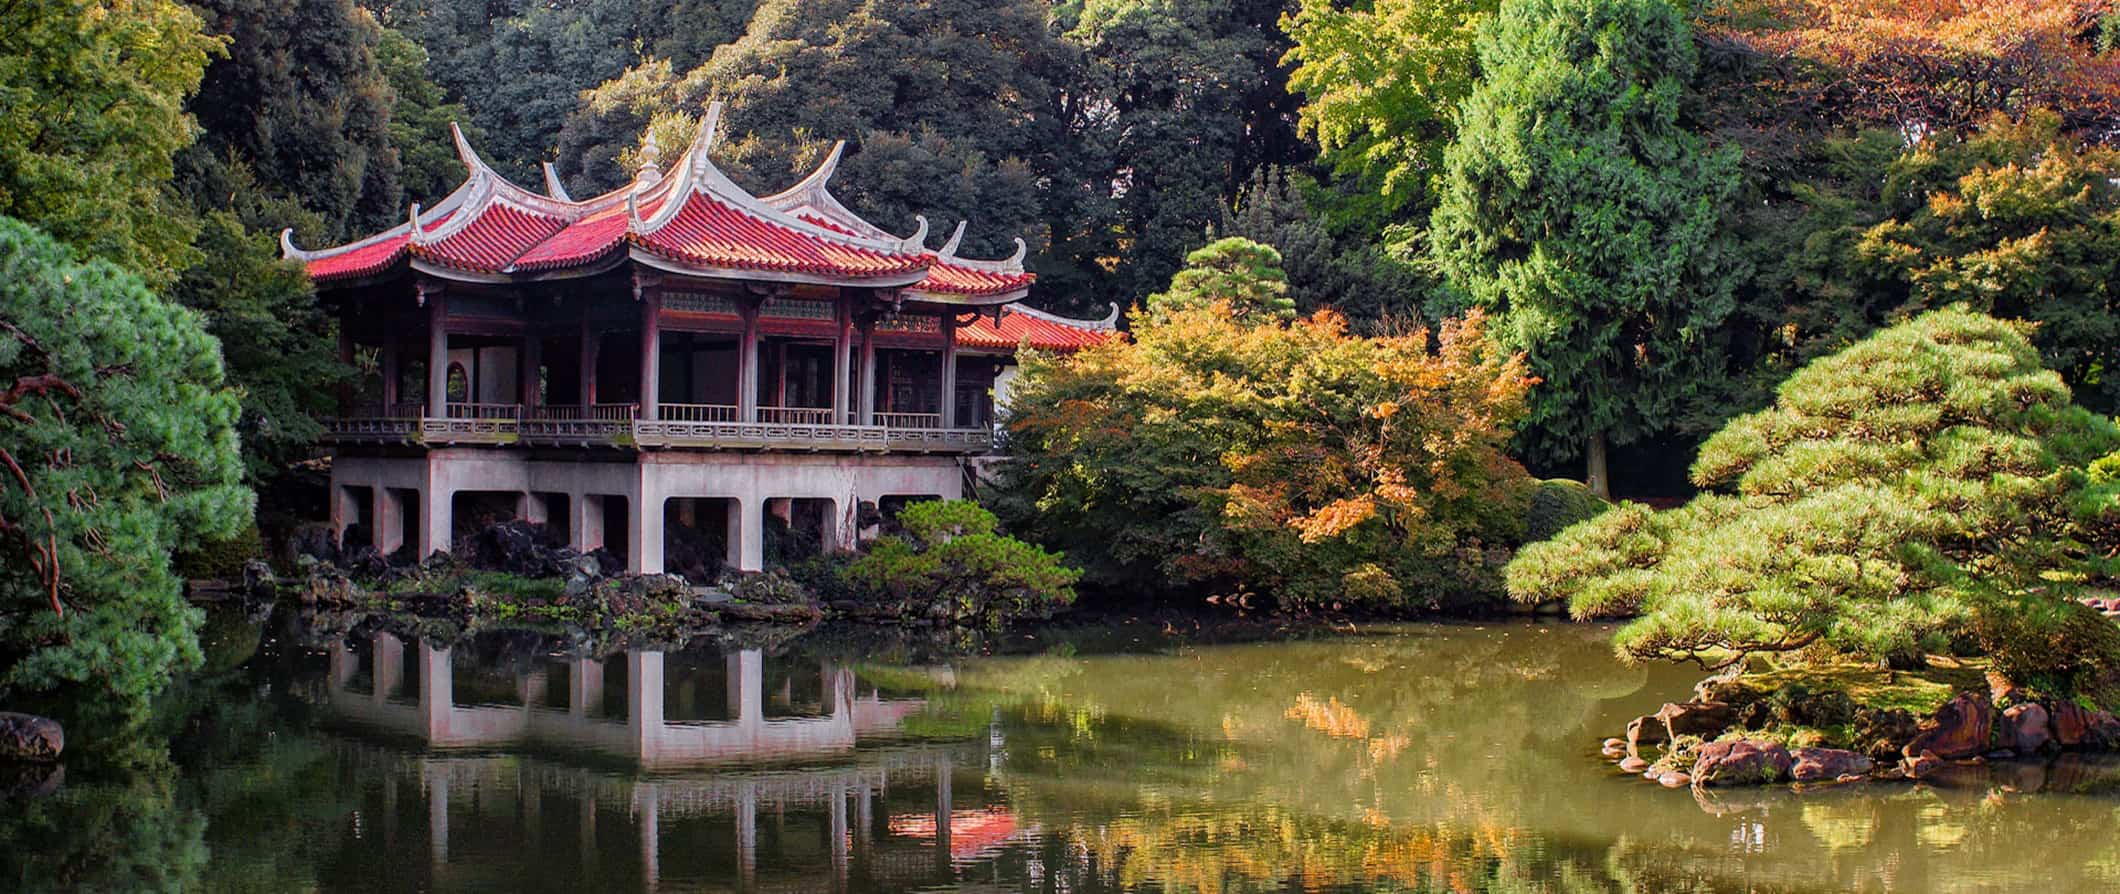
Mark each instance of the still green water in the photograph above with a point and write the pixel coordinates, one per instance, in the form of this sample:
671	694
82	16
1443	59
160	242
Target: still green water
321	755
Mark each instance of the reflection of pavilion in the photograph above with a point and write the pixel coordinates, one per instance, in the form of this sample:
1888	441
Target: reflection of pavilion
433	715
854	815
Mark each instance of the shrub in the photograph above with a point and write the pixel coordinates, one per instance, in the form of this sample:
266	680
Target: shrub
220	558
951	563
1557	504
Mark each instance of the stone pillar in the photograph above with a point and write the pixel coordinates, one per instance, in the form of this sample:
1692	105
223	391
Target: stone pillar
842	364
533	362
437	357
437	505
747	535
644	702
531	507
650	353
747	368
389	514
949	370
585	526
590	344
644	548
345	512
832	527
868	371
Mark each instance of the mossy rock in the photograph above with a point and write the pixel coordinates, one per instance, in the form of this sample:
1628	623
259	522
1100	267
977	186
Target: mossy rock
1558	503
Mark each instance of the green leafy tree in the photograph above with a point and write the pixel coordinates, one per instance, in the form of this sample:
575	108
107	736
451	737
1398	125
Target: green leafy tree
419	122
91	110
1227	448
1382	82
1924	486
118	445
300	100
1352	276
1577	207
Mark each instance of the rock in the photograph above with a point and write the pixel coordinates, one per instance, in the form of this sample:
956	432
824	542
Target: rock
23	781
1633	764
1614	743
258	580
28	737
1959	729
2078	727
1704	719
1883	735
1923	765
315	541
1644	730
1741	762
2026	728
1822	764
1674	780
518	547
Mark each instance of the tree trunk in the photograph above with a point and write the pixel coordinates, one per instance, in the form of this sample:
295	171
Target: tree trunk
1597	476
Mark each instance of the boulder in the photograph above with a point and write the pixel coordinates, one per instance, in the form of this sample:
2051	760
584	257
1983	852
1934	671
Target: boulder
1741	762
1644	730
1958	730
1884	734
1674	779
518	547
2025	728
1827	764
258	580
1704	719
28	737
2076	726
314	540
1923	765
1633	764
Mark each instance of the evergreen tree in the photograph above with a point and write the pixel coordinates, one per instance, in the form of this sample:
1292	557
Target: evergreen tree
119	446
1358	279
300	100
419	123
1925	486
1577	207
91	109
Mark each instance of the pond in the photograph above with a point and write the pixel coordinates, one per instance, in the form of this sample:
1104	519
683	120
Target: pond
326	754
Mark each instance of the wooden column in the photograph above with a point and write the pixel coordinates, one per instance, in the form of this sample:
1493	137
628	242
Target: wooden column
780	374
437	355
346	385
868	370
591	341
391	372
842	364
650	352
533	362
949	370
747	367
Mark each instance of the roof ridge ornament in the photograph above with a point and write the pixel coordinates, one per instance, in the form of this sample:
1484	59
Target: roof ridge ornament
709	127
917	241
649	172
949	249
287	249
465	153
553	187
412	233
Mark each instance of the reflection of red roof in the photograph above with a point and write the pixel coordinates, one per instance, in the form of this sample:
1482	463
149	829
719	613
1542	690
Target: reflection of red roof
1030	329
972	832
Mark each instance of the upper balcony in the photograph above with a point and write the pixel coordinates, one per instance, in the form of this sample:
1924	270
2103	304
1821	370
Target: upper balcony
675	426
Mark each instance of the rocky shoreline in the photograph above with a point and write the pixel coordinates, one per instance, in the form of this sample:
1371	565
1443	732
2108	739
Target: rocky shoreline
1730	735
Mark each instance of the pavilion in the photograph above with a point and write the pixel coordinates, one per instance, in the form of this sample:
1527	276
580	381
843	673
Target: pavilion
675	355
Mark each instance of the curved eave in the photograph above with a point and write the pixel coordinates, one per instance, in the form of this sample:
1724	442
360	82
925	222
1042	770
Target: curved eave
580	271
959	299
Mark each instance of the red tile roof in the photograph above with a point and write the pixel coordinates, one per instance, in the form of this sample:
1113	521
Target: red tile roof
694	218
1030	329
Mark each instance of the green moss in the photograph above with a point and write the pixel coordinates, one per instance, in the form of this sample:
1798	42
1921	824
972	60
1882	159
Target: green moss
1919	692
1558	503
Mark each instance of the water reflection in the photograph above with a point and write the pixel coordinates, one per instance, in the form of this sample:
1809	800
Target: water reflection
1426	758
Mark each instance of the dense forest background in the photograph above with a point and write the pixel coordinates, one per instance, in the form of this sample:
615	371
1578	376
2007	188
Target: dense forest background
1826	166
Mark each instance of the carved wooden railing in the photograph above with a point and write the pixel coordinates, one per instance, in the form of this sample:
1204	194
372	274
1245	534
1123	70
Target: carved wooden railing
696	412
909	420
678	426
795	415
